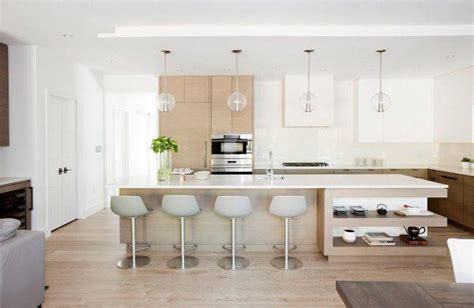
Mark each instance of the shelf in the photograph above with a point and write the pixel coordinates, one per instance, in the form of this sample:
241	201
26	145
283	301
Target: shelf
361	248
391	219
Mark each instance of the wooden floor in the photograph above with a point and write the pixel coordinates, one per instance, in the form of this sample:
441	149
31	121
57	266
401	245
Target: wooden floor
81	271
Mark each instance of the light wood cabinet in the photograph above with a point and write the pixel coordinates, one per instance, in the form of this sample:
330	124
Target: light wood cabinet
189	125
221	114
196	89
175	85
4	97
242	122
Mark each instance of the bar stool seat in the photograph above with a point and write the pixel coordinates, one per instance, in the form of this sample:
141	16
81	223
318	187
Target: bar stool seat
233	207
131	207
287	207
181	206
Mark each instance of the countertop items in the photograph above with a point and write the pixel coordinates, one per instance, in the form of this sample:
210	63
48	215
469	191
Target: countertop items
328	181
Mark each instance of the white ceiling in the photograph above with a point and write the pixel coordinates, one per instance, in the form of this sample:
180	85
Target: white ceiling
44	22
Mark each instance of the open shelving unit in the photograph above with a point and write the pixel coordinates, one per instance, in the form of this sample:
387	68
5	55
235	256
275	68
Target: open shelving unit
334	247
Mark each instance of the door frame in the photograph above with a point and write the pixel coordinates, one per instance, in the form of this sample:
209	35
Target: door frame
47	95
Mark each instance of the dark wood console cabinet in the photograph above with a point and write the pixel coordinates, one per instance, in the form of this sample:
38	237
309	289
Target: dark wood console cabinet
16	201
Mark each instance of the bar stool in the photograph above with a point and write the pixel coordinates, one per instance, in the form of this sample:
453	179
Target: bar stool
233	207
181	206
287	207
130	207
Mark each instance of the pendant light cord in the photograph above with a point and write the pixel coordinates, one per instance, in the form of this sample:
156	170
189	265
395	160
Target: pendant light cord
380	73
165	72
309	71
237	72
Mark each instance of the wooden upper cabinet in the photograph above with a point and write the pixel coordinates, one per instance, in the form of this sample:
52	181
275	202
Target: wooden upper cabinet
221	88
175	85
4	122
242	122
196	89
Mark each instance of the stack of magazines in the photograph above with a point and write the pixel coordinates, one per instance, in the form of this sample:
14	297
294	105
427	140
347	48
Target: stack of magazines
340	211
378	239
358	211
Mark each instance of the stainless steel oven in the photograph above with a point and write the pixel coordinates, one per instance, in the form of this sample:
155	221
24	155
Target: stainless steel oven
232	153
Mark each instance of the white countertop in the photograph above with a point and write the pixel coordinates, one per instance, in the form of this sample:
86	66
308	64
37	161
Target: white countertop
452	169
7	180
330	181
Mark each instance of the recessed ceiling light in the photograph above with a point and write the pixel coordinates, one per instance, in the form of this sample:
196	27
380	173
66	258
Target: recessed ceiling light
322	69
66	35
450	56
179	69
227	70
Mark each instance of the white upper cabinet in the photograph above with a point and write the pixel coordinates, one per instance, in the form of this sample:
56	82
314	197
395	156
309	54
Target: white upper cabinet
409	118
454	111
294	87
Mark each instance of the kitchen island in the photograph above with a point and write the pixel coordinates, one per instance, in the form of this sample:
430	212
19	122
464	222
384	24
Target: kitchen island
317	230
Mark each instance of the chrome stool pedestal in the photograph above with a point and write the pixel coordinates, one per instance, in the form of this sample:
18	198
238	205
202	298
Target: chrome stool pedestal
233	262
286	262
182	261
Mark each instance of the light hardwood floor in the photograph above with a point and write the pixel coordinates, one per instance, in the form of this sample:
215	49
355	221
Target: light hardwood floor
81	272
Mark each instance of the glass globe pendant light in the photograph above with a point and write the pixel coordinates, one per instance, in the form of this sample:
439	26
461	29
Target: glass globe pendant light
308	99
380	101
166	101
237	101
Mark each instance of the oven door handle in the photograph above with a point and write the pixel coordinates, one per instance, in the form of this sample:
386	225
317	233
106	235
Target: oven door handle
205	154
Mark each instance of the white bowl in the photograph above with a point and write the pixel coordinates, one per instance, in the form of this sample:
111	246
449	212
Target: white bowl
201	175
413	210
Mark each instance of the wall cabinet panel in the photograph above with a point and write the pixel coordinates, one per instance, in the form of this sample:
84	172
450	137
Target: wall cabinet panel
196	89
242	122
221	88
174	86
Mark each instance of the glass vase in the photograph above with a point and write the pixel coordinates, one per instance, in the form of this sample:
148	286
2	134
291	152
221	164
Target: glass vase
164	166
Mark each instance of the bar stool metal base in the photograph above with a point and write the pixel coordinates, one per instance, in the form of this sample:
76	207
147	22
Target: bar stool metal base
176	263
127	262
293	263
226	263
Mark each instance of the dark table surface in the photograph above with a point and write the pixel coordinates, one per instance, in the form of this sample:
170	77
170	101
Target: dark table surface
405	294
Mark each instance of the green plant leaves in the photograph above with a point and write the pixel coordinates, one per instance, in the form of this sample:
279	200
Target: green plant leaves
163	143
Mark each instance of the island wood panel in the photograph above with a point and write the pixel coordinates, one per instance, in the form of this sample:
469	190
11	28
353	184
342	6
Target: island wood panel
4	97
197	89
175	85
259	231
189	125
242	121
221	114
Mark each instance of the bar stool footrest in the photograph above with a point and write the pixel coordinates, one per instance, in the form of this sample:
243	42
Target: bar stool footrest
281	247
139	247
239	247
187	247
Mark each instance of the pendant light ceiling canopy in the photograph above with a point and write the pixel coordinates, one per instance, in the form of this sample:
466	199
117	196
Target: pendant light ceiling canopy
380	101
237	101
308	99
166	101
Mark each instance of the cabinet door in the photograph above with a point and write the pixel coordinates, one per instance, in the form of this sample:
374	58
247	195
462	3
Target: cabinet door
242	122
221	114
468	206
189	125
4	126
196	89
174	86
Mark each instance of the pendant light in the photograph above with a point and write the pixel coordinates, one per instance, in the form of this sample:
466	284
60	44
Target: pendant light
380	101
166	101
237	101
308	99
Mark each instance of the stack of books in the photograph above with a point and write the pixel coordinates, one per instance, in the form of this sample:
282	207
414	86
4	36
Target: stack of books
378	239
340	211
358	211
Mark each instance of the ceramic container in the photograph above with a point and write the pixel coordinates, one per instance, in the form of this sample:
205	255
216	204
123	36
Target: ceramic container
349	236
465	165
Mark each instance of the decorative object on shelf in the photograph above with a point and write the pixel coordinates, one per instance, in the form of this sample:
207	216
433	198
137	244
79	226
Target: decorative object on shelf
403	212
413	241
349	236
382	209
166	101
465	163
411	209
237	101
340	211
164	146
413	232
358	211
201	175
378	239
380	101
308	99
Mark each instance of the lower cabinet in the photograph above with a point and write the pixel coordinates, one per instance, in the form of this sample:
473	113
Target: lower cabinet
416	173
468	209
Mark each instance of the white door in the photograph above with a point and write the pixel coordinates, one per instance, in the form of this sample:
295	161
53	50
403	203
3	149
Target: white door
61	151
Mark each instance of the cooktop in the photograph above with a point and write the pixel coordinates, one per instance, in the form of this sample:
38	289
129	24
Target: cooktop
305	164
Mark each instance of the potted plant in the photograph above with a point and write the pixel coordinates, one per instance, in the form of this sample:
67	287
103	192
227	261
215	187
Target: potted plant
465	163
164	146
472	164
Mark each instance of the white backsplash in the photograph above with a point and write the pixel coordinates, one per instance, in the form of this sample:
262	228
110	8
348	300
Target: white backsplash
450	154
335	145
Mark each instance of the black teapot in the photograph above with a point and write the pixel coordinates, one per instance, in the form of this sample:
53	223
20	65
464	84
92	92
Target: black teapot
413	232
382	209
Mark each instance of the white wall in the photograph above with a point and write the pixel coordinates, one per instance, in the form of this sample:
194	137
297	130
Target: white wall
336	144
454	107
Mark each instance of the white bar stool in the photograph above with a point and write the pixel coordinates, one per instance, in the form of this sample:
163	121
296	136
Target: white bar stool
287	207
181	206
130	207
233	207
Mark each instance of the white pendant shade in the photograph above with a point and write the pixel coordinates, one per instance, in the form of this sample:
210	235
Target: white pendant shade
237	100
166	101
380	101
308	99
